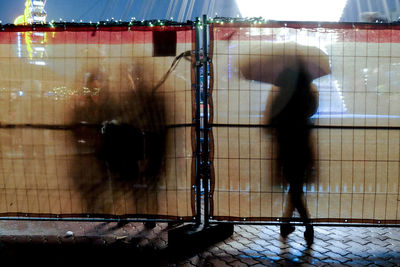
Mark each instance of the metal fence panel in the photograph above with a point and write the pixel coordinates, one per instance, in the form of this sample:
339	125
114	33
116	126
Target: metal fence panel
66	95
356	131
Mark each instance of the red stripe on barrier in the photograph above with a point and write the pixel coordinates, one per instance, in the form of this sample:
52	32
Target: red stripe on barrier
343	32
89	35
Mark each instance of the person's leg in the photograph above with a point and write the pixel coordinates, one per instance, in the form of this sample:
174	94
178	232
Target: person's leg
289	208
300	205
286	228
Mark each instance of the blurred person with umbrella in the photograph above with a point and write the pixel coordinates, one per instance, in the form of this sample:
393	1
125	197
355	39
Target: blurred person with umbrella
291	68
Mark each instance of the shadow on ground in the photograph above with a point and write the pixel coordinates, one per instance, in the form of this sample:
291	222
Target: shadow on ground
86	252
101	246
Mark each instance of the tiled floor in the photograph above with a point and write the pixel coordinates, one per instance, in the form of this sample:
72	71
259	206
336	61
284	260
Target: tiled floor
94	244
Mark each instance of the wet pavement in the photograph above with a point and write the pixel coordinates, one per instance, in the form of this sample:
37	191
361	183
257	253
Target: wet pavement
54	243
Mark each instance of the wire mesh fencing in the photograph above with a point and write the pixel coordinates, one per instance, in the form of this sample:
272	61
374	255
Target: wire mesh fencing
97	121
355	132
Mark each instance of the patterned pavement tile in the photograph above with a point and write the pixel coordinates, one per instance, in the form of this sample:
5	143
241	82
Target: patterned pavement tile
248	246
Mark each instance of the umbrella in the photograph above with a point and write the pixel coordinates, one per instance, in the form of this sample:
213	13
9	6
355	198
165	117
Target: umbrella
276	57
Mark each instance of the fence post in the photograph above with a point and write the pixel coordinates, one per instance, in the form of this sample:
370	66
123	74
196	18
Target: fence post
190	239
206	175
197	123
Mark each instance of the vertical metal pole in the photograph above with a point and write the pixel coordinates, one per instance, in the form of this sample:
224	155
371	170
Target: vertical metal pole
206	168
197	124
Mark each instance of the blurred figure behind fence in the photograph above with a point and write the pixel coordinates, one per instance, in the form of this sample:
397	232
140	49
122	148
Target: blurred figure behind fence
289	113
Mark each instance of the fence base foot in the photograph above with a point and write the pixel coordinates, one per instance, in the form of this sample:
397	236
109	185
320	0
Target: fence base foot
190	239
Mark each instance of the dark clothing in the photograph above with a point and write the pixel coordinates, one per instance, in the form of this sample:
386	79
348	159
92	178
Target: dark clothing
293	135
292	109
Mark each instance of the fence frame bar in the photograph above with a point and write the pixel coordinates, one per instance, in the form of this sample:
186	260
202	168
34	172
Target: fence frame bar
206	149
198	171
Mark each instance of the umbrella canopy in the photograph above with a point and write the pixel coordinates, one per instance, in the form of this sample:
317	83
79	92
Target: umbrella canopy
274	58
